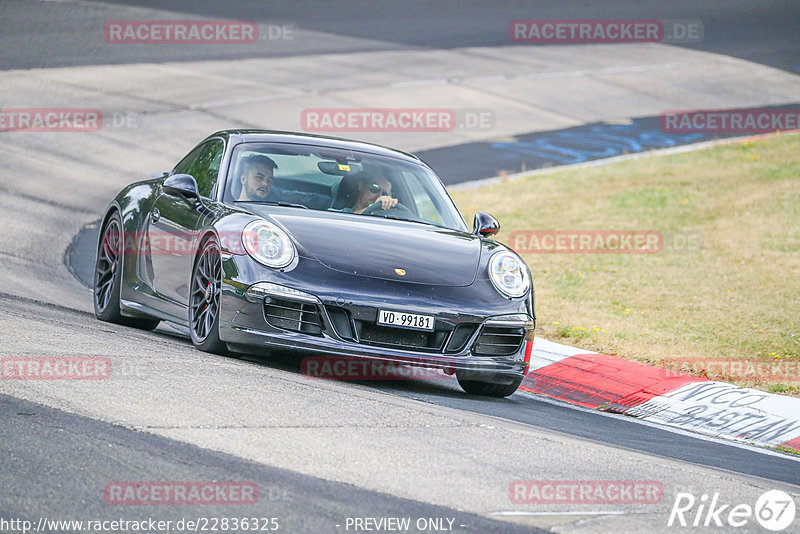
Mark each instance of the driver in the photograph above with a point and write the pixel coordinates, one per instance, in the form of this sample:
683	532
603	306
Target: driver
256	176
371	191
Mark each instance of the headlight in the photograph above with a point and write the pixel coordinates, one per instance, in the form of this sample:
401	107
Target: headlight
508	274
268	244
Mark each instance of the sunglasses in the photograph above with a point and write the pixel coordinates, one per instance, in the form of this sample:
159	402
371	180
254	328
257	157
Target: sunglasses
376	189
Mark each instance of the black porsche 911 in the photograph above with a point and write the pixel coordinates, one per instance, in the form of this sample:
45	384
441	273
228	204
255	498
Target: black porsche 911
261	241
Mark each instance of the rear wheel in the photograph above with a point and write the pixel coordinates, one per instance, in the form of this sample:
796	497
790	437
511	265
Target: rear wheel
204	299
489	389
108	278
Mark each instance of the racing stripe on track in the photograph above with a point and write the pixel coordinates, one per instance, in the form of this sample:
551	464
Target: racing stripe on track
665	397
598	380
727	411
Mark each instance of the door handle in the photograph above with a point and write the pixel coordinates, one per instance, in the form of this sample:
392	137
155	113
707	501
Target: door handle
155	215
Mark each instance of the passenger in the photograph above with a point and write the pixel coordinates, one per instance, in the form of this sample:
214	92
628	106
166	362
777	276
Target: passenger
256	176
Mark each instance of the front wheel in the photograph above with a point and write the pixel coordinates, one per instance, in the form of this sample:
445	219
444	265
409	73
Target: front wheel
488	389
108	278
204	299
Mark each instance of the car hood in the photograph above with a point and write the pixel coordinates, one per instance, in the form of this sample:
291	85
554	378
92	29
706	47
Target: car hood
384	248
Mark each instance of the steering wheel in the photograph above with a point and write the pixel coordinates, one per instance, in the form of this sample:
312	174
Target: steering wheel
377	209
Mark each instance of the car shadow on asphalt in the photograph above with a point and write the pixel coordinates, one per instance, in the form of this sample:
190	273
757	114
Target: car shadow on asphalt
416	382
413	382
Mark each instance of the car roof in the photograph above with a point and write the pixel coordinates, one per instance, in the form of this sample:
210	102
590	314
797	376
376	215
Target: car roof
277	136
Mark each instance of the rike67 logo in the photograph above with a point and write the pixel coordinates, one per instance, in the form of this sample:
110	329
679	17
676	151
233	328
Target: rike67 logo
774	510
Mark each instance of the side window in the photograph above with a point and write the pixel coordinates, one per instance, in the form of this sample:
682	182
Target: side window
203	164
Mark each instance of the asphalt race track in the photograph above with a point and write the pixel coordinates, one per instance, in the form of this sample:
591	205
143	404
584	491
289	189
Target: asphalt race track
324	453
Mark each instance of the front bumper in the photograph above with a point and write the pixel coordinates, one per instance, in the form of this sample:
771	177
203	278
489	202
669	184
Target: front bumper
471	336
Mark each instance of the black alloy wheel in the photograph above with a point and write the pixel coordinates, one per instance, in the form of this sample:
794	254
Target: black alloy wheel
204	298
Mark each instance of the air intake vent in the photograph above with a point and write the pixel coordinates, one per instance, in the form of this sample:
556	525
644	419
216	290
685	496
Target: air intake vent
292	315
340	318
498	340
460	336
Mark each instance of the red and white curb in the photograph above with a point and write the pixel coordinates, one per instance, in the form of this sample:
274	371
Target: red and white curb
689	402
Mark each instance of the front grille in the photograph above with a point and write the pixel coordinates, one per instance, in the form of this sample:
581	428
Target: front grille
373	334
292	315
498	340
296	316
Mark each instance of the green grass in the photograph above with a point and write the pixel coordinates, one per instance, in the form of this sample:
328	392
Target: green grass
726	285
787	449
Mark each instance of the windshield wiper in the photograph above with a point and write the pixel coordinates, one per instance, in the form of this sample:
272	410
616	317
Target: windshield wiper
394	217
281	203
288	205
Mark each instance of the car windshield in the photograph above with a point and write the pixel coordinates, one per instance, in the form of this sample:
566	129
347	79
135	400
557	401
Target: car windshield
338	180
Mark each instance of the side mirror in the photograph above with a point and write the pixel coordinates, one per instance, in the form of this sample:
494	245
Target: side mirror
181	184
485	225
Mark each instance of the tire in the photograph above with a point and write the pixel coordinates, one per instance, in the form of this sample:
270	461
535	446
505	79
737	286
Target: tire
204	299
489	389
108	278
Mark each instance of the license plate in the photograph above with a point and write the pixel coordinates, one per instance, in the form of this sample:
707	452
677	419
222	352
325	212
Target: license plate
405	320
